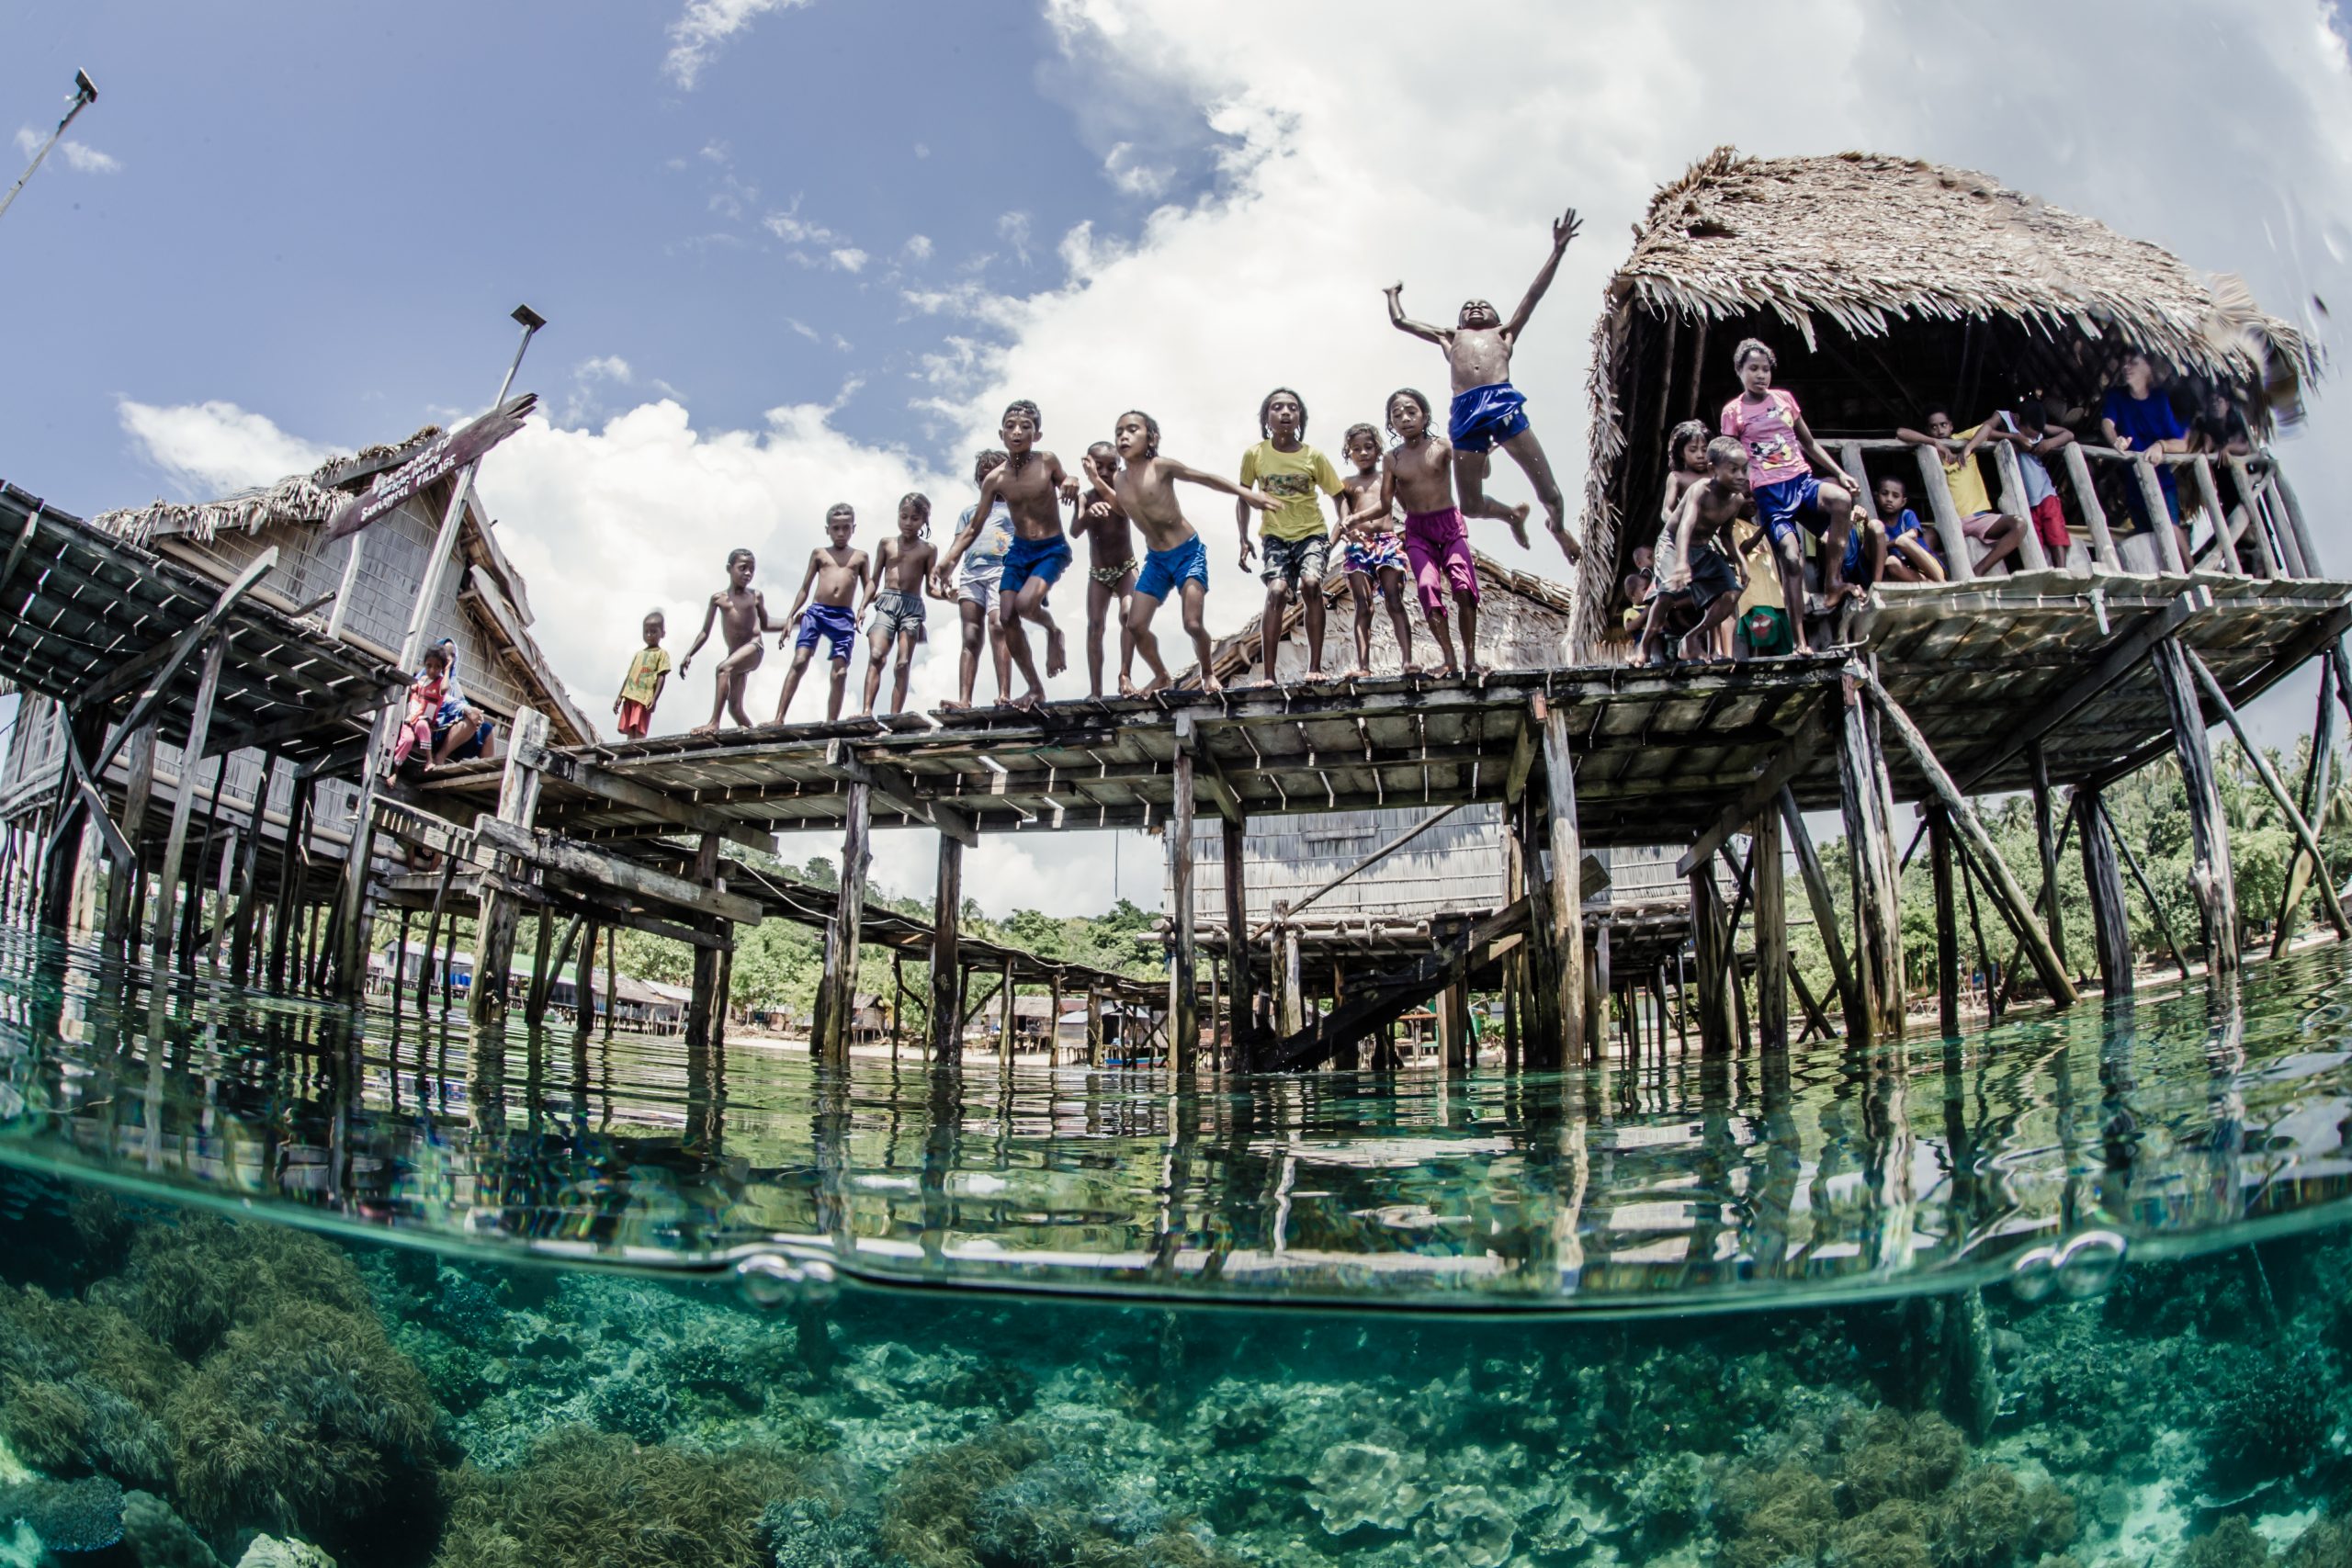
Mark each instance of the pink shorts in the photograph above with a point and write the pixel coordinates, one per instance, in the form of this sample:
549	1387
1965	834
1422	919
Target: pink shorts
1437	545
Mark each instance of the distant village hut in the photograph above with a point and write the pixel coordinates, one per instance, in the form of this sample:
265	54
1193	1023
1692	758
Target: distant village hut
1886	284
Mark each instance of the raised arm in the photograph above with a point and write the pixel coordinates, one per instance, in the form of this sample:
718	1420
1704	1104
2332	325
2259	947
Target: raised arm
709	615
1249	498
1398	319
1921	438
1564	231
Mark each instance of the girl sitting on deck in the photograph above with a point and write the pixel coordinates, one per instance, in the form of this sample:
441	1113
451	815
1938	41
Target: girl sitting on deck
425	698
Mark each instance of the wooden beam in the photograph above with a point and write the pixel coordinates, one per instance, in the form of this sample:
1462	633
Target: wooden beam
495	925
2210	875
2078	475
2160	523
1869	849
2045	835
894	789
139	787
2329	904
946	968
1184	999
306	719
2315	781
241	939
182	802
2210	495
590	778
1522	762
1793	759
1242	1003
2111	927
1947	920
165	659
1772	930
2147	889
1818	897
836	1009
2008	896
1383	853
1567	912
552	853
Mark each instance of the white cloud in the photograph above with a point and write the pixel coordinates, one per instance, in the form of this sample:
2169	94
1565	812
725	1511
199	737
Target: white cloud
848	258
604	367
704	26
789	227
80	157
1131	174
803	328
1013	229
918	247
210	449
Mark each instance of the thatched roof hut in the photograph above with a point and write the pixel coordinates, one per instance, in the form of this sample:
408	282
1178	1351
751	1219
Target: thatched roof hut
1883	283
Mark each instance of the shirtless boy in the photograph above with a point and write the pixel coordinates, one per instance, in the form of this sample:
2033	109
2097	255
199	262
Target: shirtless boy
1488	409
1418	474
1033	486
1111	576
901	569
1370	552
741	615
835	574
1703	568
1177	561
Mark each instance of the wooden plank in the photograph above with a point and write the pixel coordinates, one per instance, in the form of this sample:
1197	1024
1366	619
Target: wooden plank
590	778
304	720
946	969
2210	495
495	926
551	853
165	659
1184	999
2009	897
1947	920
1772	930
1793	757
1522	761
1567	944
896	789
836	1008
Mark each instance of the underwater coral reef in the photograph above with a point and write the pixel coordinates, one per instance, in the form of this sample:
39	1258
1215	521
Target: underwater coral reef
179	1390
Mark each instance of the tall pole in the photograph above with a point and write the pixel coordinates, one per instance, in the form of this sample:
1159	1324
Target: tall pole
85	93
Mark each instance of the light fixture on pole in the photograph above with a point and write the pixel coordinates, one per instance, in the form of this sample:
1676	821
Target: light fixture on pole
85	93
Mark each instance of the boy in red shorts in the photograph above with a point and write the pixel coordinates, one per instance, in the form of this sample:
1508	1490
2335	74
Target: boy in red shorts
641	687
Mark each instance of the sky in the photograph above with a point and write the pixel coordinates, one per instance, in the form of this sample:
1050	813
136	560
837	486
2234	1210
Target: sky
795	251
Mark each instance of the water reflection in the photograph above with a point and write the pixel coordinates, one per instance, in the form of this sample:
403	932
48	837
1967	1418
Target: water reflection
1676	1180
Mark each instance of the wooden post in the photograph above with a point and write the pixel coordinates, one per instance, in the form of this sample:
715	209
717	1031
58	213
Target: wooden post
584	989
2046	837
2285	559
535	1004
2147	891
184	801
703	987
1769	880
1452	1027
2030	549
192	902
139	788
241	937
293	861
836	1008
398	977
1567	875
613	985
1596	988
1870	843
2309	563
897	999
1242	1001
1006	1022
1293	984
1054	1019
2209	496
2160	523
2328	903
1094	1027
498	911
1822	903
1709	944
1957	554
946	968
448	966
2209	873
1947	920
2078	475
2314	796
2007	896
1183	995
2111	927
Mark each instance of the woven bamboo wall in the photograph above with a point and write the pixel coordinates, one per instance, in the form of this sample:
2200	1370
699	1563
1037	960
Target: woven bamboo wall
1456	865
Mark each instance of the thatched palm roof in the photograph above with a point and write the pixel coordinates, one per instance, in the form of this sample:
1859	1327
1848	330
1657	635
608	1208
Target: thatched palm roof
1841	250
297	498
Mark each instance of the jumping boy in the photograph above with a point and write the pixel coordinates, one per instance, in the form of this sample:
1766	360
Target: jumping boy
1371	551
1111	576
901	568
1297	543
1702	531
1418	474
1033	487
1176	560
980	543
641	687
743	615
1781	454
835	574
1487	409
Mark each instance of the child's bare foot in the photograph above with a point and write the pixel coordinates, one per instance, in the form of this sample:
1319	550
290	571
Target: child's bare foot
1209	687
1153	687
1517	521
1470	671
1357	673
711	729
1568	545
1451	672
949	705
1126	686
1030	700
1056	655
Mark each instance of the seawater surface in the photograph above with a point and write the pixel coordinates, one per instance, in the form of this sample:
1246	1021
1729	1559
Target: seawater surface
278	1281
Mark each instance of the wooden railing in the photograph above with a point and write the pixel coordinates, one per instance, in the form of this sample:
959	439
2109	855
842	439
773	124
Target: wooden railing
2262	534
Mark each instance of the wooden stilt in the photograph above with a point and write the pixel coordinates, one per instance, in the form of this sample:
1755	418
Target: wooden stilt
1241	1002
2210	877
1543	1044
2008	898
184	802
1947	920
293	857
448	966
62	859
1093	1028
1054	1018
1292	991
1817	1018
2314	797
1568	875
584	991
946	971
1870	851
2110	929
240	940
399	963
192	900
1711	947
498	911
535	1004
613	985
1822	903
704	989
2046	838
1184	995
1453	1027
1006	1021
122	889
2328	902
2147	891
897	1001
1768	879
836	1009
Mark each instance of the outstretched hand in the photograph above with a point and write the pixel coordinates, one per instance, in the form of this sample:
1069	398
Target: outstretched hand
1565	227
1394	289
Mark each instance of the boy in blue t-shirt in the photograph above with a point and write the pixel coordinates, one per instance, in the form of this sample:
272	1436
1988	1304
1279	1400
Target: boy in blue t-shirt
1909	556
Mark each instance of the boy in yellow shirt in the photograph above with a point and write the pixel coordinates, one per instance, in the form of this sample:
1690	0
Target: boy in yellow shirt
1297	541
641	687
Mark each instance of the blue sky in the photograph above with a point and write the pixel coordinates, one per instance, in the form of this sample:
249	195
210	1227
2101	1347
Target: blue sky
286	230
324	212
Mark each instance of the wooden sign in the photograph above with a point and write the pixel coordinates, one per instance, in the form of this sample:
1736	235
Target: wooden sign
438	458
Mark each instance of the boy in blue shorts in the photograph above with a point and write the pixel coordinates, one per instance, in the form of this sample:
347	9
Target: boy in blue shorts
1909	557
1175	561
1781	454
1488	409
829	593
1033	488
